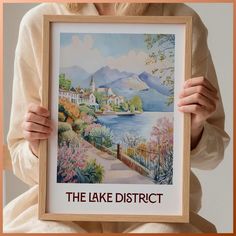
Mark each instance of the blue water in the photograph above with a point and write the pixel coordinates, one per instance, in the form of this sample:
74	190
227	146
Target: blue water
140	124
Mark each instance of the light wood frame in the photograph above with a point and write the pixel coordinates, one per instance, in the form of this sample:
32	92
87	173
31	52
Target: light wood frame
42	212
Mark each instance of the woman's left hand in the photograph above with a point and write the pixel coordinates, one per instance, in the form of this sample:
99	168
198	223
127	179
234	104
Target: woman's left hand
198	97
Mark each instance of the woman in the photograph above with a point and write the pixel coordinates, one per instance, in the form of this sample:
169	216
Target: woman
31	123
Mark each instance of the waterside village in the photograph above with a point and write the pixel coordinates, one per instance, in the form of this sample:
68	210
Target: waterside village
87	96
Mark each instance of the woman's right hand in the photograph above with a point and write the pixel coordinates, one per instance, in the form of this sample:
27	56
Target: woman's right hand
36	126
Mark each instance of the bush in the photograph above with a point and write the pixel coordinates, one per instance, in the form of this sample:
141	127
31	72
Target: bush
88	119
142	150
93	172
85	109
90	127
70	158
79	126
130	152
132	140
72	166
161	144
61	116
70	137
69	109
63	126
101	134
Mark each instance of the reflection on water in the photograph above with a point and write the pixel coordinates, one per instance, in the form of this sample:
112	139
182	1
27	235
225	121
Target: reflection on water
140	124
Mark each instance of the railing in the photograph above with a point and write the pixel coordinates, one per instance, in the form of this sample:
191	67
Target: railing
146	162
157	166
143	156
131	162
117	152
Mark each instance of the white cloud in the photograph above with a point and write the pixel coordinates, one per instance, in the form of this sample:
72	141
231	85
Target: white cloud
131	62
81	53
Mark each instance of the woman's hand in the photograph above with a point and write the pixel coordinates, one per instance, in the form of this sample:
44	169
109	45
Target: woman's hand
198	97
36	126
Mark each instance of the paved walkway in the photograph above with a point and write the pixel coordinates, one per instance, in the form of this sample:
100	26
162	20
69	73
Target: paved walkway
115	170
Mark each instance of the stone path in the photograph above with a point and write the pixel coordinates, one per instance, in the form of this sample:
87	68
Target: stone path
115	170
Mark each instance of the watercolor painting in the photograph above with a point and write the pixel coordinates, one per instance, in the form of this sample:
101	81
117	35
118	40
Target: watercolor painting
115	111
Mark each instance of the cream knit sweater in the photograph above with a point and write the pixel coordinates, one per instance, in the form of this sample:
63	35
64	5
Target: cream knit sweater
21	214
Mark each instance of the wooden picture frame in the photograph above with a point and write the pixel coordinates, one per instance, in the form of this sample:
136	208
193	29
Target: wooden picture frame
50	190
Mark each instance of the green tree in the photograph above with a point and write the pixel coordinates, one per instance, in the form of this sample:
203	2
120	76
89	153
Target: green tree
64	83
136	101
100	98
62	109
131	108
161	49
169	82
124	106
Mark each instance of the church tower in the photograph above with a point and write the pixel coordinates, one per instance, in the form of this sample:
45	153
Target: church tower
92	84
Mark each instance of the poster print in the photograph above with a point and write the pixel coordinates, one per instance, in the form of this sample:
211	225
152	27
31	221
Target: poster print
116	113
119	147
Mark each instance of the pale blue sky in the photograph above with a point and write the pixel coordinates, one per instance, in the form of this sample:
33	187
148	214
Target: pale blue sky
125	52
113	45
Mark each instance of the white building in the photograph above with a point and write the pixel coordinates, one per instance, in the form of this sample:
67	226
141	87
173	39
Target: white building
115	99
79	97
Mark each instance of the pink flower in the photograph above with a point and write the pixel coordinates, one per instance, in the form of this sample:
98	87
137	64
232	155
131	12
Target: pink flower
87	118
90	127
69	159
161	140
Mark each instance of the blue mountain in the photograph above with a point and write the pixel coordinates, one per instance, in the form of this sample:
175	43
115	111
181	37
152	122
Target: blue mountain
155	83
76	74
150	89
131	82
107	75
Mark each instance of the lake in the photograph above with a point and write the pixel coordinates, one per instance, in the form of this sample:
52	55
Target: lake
139	124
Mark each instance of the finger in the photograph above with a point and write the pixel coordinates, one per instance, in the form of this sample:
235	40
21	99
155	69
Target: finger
32	136
200	81
198	89
39	110
195	109
197	99
32	117
33	127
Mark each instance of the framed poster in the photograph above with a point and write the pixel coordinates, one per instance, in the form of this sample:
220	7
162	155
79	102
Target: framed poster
120	148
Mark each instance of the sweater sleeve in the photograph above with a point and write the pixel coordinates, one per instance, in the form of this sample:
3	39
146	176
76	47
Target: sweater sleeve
210	149
26	90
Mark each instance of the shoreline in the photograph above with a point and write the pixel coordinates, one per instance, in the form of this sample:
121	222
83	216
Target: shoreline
118	113
129	114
